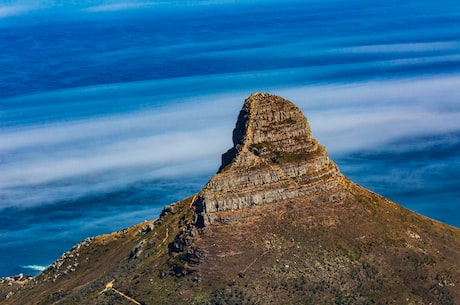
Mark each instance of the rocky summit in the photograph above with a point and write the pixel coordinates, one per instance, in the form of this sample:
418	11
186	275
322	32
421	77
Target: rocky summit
274	158
277	224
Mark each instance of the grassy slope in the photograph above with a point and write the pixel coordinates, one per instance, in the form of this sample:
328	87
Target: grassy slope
351	248
362	249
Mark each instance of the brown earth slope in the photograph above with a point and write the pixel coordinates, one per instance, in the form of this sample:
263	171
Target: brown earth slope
278	224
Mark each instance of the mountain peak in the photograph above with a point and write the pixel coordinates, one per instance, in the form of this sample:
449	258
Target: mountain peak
270	119
282	226
268	125
274	157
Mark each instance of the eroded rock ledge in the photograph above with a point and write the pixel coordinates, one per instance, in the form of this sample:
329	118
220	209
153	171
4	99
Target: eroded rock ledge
274	157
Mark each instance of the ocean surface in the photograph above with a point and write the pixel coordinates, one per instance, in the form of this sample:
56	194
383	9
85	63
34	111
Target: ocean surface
110	110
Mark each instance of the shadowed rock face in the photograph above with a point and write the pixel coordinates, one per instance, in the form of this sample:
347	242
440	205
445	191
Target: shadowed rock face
274	158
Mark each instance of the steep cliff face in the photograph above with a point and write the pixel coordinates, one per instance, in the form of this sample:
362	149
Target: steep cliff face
274	157
278	224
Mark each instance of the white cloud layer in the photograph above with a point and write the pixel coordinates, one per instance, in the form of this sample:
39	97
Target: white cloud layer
63	160
363	115
14	10
120	6
35	267
58	160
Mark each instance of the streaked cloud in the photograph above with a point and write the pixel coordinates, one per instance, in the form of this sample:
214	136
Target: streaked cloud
14	10
352	116
63	159
121	6
35	267
437	46
76	158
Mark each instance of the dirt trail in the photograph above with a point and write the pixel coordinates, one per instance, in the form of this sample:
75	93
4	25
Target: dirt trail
109	286
166	237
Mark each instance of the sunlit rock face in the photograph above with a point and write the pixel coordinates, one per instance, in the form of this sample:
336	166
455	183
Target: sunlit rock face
274	157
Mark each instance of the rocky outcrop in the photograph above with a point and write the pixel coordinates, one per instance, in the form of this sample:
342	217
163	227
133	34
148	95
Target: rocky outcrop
68	262
274	157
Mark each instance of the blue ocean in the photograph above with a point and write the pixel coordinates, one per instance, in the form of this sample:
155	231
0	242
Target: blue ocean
110	110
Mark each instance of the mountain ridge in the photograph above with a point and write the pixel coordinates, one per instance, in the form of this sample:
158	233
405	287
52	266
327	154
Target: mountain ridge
277	224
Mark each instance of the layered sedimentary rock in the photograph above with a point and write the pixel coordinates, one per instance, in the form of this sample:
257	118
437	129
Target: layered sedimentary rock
274	157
